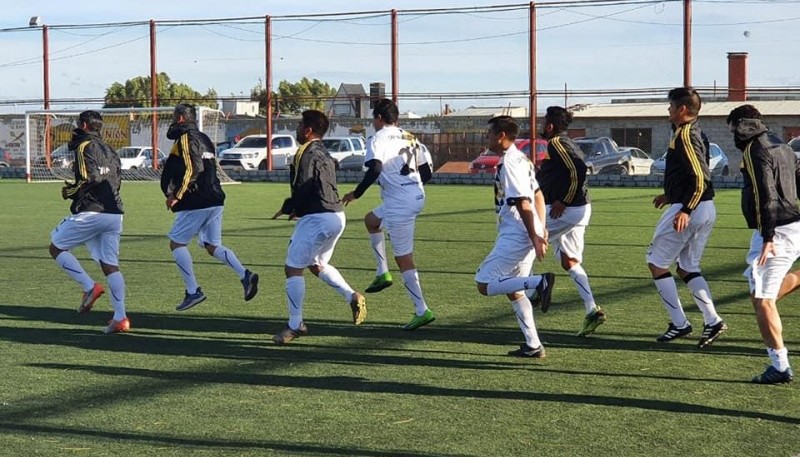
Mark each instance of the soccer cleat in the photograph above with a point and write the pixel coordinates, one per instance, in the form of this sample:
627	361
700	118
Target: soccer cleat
545	290
419	321
527	351
88	298
772	376
190	300
711	333
358	304
674	333
250	285
534	297
286	335
592	321
379	283
113	326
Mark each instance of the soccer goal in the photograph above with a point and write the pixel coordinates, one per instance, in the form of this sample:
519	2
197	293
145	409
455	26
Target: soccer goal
128	130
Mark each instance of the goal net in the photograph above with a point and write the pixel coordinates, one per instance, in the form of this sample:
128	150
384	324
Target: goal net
129	131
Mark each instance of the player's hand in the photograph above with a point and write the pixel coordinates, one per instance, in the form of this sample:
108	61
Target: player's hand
681	222
767	251
349	197
540	246
171	201
557	209
660	201
279	213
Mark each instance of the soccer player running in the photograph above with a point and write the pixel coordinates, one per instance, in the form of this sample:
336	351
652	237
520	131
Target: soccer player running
315	201
399	159
521	235
769	205
563	181
683	230
193	191
96	219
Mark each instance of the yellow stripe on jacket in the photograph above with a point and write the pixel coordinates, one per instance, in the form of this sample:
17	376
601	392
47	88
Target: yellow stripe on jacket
751	171
573	173
187	160
694	161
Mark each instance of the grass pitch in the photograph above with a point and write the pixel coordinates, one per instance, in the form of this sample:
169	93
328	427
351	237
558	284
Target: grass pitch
210	382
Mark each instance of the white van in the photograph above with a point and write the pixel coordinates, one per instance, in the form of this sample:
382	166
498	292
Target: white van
343	147
251	153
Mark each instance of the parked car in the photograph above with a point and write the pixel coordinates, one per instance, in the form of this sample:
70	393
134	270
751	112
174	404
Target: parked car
602	155
137	157
343	147
355	162
794	143
5	158
718	161
61	157
251	153
639	163
487	161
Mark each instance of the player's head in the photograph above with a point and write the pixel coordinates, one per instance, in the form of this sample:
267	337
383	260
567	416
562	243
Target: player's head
503	130
384	113
742	112
684	105
556	120
90	121
313	125
184	112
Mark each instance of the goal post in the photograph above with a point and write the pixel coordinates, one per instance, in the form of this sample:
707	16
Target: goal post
129	131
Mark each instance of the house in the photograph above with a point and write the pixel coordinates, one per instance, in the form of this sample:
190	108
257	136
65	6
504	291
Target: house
350	101
488	112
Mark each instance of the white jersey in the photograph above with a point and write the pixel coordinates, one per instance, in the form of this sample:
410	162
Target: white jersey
401	155
514	179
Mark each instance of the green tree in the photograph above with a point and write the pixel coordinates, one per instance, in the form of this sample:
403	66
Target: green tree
135	92
295	97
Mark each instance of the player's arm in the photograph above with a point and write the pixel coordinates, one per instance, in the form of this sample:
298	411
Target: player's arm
374	167
424	166
760	170
691	148
87	170
532	217
189	152
563	160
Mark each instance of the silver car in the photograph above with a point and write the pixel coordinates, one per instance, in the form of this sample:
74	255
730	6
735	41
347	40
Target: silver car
717	164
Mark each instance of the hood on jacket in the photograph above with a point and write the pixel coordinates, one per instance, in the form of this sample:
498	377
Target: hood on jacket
746	131
176	130
79	136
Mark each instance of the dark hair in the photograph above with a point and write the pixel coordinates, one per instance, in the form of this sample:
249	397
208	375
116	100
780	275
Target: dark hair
93	120
688	97
189	112
743	112
317	121
559	117
504	124
387	110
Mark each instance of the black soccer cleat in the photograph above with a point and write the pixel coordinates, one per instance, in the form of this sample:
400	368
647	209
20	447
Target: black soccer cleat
674	333
545	290
711	333
527	351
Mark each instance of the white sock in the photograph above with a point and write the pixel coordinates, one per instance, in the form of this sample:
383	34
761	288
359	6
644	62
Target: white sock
524	312
509	285
295	293
780	358
184	261
331	276
702	297
379	251
669	297
227	256
70	264
414	290
116	284
581	279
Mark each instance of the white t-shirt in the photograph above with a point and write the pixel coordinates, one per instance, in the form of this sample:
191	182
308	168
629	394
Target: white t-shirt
515	178
401	155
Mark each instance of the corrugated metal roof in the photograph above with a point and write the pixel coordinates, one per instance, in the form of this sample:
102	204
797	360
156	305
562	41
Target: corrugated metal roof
659	109
490	111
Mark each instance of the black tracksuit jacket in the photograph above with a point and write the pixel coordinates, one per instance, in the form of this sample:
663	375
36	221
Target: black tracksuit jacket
190	173
312	176
563	175
97	175
687	179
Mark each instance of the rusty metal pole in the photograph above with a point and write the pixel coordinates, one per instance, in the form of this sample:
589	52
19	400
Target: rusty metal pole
268	83
153	95
394	57
687	43
48	143
532	79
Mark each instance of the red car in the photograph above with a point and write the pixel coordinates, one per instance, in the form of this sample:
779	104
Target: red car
487	161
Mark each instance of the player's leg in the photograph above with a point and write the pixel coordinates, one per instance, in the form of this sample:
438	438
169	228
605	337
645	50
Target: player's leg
71	232
186	225
210	238
299	256
105	249
500	275
401	231
374	224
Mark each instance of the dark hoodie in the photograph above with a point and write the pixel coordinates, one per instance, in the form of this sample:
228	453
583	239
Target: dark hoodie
190	173
312	176
769	196
563	176
687	179
97	175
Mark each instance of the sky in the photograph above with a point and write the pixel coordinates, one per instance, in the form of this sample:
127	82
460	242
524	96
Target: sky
625	45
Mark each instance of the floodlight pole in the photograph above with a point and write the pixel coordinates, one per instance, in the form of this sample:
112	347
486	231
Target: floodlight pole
153	95
46	65
268	84
532	78
687	43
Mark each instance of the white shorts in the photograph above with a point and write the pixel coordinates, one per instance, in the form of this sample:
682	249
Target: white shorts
511	256
566	233
206	223
400	223
98	231
314	238
765	280
686	247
